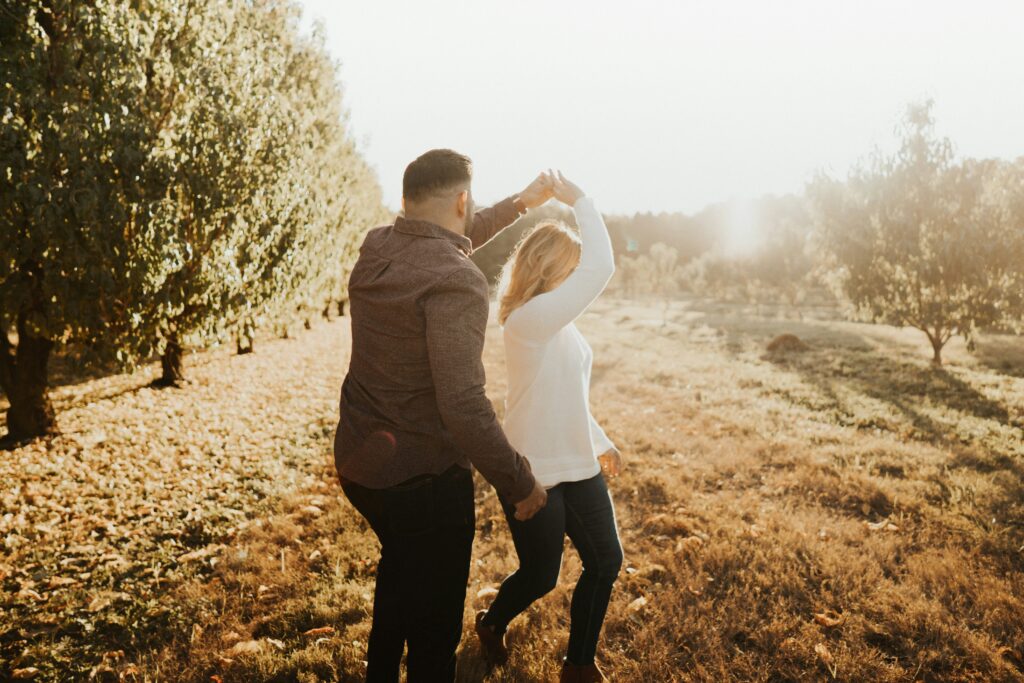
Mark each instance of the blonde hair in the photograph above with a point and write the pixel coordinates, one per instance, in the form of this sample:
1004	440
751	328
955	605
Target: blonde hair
544	257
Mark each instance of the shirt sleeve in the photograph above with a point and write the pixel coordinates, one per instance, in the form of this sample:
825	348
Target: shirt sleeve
456	320
489	222
545	314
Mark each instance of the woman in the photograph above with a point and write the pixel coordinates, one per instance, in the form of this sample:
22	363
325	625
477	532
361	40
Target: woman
548	282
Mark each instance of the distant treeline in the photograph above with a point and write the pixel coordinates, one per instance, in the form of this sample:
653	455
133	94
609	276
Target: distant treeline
918	238
699	244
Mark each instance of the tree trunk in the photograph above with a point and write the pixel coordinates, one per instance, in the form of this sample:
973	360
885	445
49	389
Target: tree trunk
23	374
327	312
937	344
172	370
308	324
341	308
245	337
243	344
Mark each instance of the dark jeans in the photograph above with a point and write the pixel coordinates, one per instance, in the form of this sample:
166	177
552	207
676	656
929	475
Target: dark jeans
584	511
425	527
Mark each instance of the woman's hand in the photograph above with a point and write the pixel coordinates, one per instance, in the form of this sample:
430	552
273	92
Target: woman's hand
565	190
611	462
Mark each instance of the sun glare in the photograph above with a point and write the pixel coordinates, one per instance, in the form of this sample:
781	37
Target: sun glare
744	232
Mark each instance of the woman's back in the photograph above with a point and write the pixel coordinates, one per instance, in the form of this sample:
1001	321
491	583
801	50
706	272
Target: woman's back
547	416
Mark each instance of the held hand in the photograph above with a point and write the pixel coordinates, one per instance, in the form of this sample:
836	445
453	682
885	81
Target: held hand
530	505
565	190
539	191
611	462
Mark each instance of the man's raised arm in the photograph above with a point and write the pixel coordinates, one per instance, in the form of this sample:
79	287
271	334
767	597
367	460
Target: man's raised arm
489	222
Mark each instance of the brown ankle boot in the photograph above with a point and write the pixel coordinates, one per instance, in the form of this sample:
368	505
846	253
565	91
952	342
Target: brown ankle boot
492	644
581	673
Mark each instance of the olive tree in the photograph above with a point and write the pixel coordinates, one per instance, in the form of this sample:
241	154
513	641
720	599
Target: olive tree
919	239
80	110
168	170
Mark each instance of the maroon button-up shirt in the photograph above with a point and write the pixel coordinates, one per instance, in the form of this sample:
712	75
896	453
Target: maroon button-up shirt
413	400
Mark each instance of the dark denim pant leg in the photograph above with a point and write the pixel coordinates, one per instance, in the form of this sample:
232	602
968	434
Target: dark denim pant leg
387	632
538	542
439	573
426	535
590	524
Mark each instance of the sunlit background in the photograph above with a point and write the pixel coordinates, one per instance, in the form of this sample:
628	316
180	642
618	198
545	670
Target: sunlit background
816	380
670	106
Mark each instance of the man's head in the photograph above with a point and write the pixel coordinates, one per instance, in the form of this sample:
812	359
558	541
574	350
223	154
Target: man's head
436	188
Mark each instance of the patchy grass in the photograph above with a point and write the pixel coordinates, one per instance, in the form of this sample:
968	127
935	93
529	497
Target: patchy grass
847	511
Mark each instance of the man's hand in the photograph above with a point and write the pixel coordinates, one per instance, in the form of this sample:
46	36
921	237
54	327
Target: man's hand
611	462
530	505
538	192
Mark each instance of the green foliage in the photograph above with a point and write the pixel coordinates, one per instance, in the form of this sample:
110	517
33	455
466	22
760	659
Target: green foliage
76	169
168	170
918	239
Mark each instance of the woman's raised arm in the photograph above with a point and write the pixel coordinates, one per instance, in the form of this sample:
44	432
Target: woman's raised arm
545	314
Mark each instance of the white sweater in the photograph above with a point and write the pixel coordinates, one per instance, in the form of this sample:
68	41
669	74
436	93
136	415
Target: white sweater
547	416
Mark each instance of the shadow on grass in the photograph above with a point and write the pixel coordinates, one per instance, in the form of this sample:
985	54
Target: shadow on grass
1002	353
839	357
65	371
903	385
741	331
843	365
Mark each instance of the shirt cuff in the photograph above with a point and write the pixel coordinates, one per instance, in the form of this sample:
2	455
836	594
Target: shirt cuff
524	484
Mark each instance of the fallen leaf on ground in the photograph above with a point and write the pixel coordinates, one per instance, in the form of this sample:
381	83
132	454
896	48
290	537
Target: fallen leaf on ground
830	618
61	581
322	631
201	553
637	604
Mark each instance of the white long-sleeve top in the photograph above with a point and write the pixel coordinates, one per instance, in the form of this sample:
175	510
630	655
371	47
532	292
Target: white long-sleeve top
547	412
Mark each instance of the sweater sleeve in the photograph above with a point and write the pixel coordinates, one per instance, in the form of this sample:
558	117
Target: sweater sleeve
602	444
545	314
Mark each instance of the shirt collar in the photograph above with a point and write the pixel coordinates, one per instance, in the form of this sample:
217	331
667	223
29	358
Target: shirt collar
428	229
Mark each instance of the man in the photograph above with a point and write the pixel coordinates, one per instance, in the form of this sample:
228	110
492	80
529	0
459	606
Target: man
414	414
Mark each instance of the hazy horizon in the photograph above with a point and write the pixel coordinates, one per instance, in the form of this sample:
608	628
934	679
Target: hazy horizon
669	106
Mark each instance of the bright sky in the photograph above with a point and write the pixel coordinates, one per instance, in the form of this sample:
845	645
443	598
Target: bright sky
674	104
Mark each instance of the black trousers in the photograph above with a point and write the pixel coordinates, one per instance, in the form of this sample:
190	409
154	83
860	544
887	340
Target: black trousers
425	527
582	510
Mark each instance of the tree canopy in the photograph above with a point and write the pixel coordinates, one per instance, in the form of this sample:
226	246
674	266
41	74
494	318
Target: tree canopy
920	239
169	169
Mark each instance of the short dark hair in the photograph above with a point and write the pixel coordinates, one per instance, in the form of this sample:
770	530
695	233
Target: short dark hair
438	169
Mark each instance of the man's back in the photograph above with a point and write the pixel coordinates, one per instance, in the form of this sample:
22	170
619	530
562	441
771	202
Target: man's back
413	400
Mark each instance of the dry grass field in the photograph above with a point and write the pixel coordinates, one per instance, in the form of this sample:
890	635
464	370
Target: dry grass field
842	512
